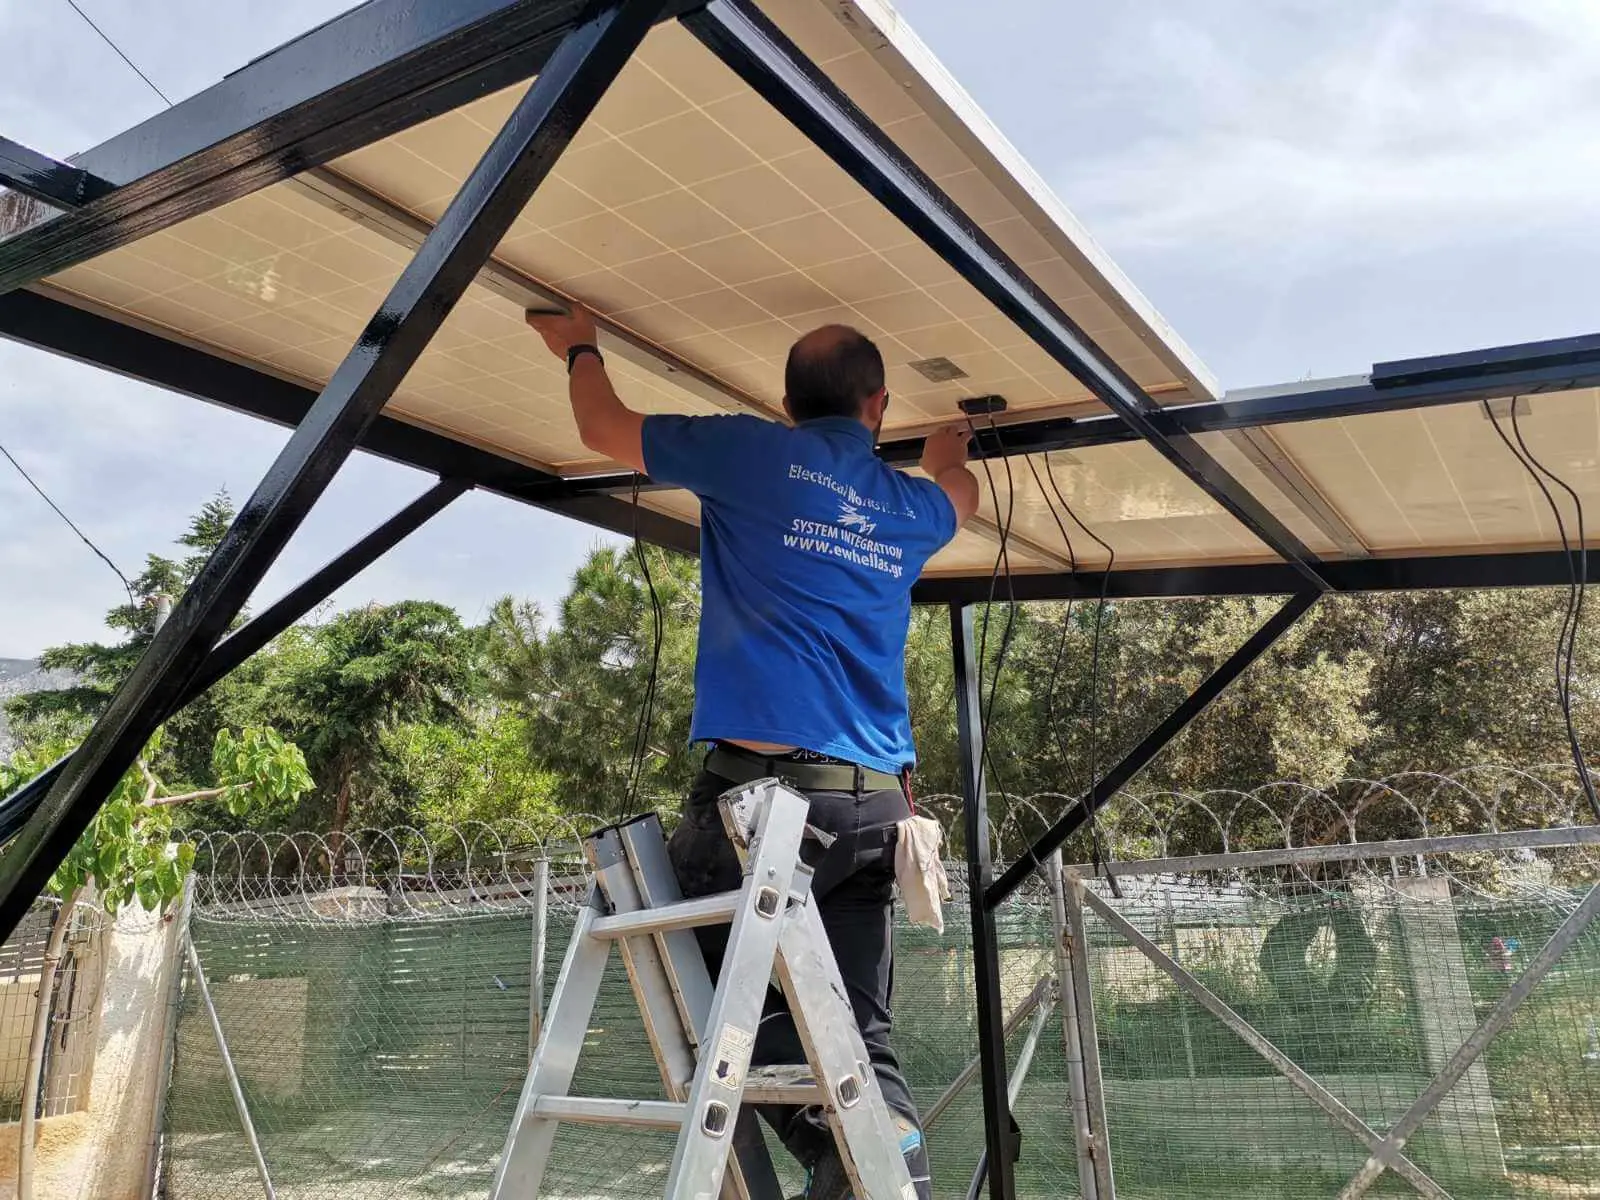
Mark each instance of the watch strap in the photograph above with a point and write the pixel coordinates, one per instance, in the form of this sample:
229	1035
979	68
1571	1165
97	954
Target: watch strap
574	352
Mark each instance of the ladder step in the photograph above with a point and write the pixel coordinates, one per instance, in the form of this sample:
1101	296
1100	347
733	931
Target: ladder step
782	1085
589	1110
686	914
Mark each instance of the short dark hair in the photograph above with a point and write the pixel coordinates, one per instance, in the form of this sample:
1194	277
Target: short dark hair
833	378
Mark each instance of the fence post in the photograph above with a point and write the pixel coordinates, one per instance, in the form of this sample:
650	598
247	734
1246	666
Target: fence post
1082	1137
234	1086
1089	1041
1436	962
541	911
169	1034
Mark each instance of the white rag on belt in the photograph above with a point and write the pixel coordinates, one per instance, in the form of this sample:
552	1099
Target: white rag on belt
920	872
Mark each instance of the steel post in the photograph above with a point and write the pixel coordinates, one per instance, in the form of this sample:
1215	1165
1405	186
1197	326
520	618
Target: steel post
1105	1184
228	1068
169	1035
541	924
1071	1044
1000	1139
493	195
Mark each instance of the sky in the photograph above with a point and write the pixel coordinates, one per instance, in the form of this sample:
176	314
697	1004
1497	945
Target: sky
1301	189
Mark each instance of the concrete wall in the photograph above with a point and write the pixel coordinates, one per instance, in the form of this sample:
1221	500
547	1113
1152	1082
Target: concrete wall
102	1153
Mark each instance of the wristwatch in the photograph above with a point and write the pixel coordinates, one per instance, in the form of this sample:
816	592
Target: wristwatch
582	348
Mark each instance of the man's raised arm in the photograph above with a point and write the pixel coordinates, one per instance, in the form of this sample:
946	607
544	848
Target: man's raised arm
605	424
944	460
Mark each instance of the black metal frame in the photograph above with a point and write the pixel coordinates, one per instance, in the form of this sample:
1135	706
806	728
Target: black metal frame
1157	740
1000	1142
57	184
570	84
392	63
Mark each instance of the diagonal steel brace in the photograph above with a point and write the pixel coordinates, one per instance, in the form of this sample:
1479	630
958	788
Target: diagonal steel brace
1386	1153
1321	1096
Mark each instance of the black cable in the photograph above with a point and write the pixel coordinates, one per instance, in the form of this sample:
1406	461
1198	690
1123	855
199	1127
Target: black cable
1096	845
120	54
1578	571
641	733
1002	559
100	554
1574	613
1051	718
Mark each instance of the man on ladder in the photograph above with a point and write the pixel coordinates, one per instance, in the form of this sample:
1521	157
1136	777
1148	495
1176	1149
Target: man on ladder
809	546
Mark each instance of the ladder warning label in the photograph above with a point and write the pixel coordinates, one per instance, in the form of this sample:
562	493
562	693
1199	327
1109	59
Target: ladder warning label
733	1056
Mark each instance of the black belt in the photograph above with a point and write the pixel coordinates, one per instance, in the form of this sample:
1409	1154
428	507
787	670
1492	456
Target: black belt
739	765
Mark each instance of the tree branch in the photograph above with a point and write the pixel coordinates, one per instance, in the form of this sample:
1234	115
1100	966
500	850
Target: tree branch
184	798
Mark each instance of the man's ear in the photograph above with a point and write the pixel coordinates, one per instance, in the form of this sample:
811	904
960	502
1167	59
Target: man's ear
788	410
873	408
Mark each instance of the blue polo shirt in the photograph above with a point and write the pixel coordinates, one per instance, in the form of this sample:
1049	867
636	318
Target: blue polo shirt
809	545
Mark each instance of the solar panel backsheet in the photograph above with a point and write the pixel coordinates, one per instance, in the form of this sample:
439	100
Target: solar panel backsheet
709	233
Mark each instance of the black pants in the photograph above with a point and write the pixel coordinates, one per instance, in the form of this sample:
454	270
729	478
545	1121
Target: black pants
854	894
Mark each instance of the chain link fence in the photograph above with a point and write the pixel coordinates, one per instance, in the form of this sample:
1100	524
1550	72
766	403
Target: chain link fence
376	1000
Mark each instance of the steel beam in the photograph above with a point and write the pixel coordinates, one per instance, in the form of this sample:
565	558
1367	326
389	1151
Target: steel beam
254	635
1560	836
765	59
58	184
377	69
1000	1138
50	324
522	154
1565	364
1506	569
1560	365
1153	743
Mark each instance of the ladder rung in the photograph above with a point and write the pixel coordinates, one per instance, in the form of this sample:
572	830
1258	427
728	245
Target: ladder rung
782	1085
686	914
590	1110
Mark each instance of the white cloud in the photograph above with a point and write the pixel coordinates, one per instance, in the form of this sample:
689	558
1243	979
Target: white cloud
1309	131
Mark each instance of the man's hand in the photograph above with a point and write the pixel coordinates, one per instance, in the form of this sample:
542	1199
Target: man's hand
944	459
945	449
561	333
605	424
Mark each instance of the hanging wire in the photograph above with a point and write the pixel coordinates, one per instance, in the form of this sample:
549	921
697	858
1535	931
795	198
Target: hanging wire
1002	560
1578	574
1092	698
647	706
104	37
100	554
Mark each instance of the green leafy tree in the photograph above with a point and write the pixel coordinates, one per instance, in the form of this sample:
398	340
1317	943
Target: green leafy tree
57	715
440	776
582	683
340	688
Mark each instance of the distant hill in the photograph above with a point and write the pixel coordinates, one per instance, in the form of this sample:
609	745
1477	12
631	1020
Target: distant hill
18	676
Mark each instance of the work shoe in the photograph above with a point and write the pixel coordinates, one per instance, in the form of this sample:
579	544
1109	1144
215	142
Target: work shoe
827	1178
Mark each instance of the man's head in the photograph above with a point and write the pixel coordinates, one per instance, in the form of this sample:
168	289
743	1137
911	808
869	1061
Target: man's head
835	371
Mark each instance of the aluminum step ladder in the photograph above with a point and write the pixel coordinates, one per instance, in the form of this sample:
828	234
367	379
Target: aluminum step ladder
702	1035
